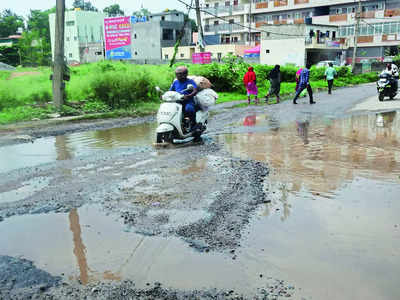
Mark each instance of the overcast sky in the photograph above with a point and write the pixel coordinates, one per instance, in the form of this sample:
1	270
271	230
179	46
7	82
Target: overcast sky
22	7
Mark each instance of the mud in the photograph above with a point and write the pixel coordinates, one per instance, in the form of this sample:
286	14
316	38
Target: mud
276	203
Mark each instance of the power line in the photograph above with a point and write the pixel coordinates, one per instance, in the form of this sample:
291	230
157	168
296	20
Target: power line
241	25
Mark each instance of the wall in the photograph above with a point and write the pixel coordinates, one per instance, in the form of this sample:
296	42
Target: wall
283	52
146	39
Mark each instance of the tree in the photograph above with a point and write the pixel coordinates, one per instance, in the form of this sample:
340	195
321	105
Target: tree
84	5
113	10
9	23
10	55
143	12
192	23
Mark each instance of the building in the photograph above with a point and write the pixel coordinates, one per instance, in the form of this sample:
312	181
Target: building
83	36
161	30
230	21
301	43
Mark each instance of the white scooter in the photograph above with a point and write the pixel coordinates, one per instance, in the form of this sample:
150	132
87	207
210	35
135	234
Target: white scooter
172	126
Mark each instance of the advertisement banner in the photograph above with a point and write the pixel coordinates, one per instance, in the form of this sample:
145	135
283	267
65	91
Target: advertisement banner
201	58
117	33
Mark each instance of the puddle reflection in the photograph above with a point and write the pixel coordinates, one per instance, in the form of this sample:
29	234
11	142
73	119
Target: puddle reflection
321	155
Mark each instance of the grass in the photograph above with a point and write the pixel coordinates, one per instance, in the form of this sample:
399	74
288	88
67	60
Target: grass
115	89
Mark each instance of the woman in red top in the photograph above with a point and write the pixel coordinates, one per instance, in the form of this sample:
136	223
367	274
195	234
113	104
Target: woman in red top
250	82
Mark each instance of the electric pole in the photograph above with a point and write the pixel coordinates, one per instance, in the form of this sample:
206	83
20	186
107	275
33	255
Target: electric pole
356	32
198	16
58	69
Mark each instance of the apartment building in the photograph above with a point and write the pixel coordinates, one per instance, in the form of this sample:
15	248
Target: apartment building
379	30
83	36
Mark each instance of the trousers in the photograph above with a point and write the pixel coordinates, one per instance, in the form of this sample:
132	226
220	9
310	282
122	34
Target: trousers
301	88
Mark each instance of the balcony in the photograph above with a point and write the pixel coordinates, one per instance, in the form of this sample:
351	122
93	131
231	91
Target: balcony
279	3
392	12
238	8
338	18
365	39
368	15
325	43
223	28
301	1
298	21
261	5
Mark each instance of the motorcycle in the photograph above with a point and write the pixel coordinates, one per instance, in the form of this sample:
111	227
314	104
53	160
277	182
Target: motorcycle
172	125
385	86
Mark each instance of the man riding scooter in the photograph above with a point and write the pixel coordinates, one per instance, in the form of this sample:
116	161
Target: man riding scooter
180	85
393	71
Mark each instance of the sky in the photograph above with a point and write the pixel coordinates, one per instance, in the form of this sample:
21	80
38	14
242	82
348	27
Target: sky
23	7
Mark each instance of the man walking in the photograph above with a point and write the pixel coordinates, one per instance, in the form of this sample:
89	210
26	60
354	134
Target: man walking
330	74
304	83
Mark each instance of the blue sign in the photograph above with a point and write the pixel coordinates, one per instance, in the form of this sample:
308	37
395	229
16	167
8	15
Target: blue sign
135	19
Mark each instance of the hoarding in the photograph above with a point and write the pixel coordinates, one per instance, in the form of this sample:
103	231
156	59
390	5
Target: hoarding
201	58
117	33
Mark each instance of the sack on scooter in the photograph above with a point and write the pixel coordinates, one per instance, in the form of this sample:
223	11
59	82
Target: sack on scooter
206	98
171	96
201	82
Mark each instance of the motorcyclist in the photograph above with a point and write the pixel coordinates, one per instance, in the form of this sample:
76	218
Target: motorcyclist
393	71
180	85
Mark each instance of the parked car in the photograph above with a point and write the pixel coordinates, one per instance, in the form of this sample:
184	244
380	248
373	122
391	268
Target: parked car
325	63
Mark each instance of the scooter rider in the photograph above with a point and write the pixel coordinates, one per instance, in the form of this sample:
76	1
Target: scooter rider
179	85
393	71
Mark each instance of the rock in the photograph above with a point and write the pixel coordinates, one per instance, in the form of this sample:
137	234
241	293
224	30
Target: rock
24	138
35	119
1	218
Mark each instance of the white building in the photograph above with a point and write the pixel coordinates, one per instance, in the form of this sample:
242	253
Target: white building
83	36
229	21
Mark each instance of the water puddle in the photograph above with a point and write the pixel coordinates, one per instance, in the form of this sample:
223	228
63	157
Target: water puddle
88	245
64	147
322	155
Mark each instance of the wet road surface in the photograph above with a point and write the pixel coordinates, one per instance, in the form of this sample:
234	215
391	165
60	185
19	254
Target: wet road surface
278	202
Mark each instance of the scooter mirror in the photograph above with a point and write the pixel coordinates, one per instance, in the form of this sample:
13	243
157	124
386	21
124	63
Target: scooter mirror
158	89
190	87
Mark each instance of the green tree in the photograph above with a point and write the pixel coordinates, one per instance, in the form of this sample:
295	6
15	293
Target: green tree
192	23
34	49
113	10
9	23
142	12
10	55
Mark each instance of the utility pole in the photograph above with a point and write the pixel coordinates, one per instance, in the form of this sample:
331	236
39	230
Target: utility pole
356	32
198	16
250	22
58	69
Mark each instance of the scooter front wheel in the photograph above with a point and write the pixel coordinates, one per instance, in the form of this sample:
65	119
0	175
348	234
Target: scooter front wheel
164	137
381	96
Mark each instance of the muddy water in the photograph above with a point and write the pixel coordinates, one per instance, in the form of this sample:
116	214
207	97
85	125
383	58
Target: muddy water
46	150
333	222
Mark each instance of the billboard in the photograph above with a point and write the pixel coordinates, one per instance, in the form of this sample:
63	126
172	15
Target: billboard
117	33
201	58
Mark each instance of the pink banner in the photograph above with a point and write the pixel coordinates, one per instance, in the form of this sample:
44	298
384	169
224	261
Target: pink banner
201	58
117	32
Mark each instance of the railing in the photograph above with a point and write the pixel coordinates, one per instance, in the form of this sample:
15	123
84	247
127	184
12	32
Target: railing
223	27
239	7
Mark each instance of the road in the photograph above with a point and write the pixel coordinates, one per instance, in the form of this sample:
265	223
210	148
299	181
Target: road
278	202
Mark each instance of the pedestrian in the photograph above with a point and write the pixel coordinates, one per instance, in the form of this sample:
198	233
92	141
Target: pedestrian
250	82
330	74
274	78
304	83
298	78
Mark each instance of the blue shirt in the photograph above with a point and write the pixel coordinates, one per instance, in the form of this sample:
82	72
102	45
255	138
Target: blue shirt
178	86
304	77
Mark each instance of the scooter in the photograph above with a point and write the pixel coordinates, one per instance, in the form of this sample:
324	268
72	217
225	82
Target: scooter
172	126
385	87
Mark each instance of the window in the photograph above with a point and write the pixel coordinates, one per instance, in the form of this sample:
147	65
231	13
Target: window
70	23
168	34
98	53
364	29
344	10
75	38
386	28
297	16
135	52
182	55
216	22
135	36
207	6
378	29
267	51
380	6
67	39
70	55
163	18
166	56
235	39
393	28
227	3
231	21
370	29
